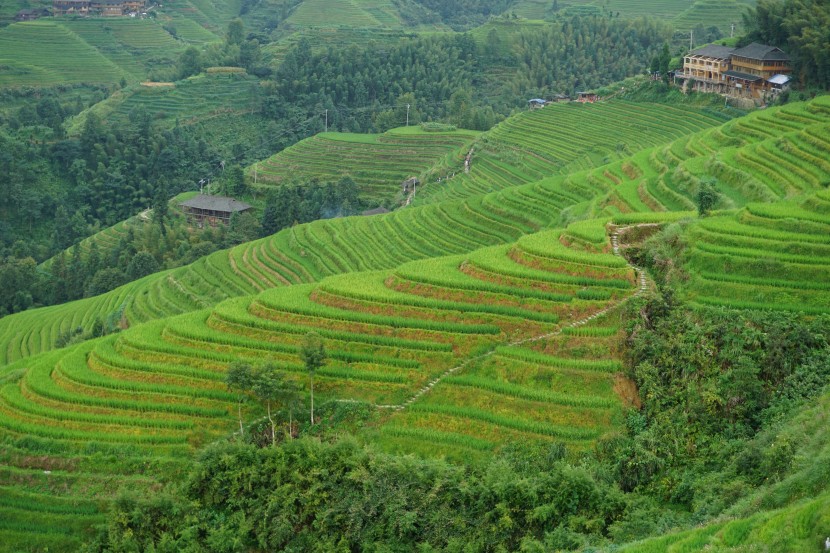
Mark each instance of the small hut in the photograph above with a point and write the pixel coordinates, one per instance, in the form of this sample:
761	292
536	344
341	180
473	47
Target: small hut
586	97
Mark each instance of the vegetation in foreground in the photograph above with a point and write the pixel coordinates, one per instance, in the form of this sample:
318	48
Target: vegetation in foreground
718	434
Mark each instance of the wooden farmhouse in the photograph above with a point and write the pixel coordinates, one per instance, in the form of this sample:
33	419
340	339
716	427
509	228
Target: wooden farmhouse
708	66
586	97
753	66
754	71
536	103
30	14
211	210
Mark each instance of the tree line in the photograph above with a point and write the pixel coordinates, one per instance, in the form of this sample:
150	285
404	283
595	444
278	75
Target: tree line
799	27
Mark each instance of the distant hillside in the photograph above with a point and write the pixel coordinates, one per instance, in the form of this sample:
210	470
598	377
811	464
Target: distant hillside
44	53
460	352
657	179
194	99
51	51
377	163
563	138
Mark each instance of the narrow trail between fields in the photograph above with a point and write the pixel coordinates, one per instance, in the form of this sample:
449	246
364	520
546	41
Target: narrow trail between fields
642	287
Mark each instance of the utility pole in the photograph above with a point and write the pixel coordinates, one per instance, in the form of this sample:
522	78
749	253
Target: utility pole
327	120
256	166
201	186
732	32
407	115
691	39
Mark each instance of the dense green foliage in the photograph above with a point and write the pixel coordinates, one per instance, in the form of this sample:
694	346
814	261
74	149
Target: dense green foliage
725	383
307	495
527	392
292	203
355	82
799	27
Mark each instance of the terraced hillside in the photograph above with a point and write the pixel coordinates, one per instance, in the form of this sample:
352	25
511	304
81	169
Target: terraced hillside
765	256
337	37
200	20
43	53
683	15
47	52
198	98
665	178
462	352
718	13
346	13
565	138
135	45
377	163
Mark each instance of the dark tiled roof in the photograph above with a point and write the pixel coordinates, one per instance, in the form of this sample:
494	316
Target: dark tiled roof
757	51
743	76
215	203
713	51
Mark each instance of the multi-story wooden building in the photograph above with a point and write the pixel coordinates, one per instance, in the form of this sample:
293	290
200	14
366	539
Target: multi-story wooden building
70	7
753	67
754	71
707	67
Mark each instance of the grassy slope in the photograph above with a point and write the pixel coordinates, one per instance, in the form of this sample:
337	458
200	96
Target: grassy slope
309	252
202	97
53	51
664	178
156	391
682	13
562	139
377	163
791	513
506	315
43	53
763	257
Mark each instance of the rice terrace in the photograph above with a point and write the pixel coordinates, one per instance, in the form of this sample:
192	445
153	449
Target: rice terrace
459	276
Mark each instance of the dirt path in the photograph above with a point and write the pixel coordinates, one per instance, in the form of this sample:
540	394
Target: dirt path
642	287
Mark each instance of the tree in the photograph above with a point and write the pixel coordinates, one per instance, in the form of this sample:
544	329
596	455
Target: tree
93	259
104	280
236	32
161	208
707	197
239	379
235	180
269	218
190	62
76	273
665	60
243	227
269	387
142	264
313	353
